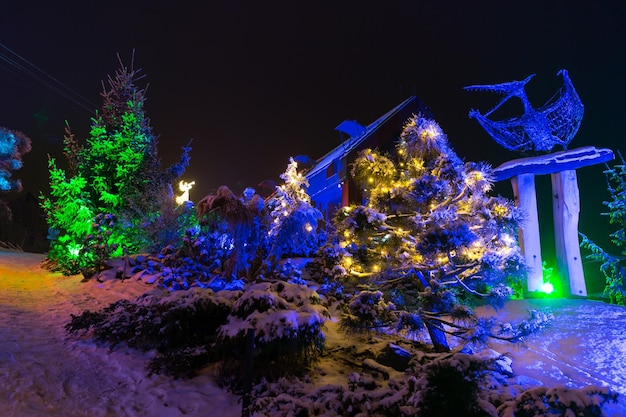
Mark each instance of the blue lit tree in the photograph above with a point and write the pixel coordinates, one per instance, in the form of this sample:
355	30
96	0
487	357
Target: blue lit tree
428	237
13	145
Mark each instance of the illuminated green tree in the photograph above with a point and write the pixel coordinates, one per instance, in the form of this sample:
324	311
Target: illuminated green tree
117	172
428	236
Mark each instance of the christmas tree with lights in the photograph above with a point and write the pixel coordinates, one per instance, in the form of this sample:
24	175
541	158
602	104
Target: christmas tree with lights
429	238
294	219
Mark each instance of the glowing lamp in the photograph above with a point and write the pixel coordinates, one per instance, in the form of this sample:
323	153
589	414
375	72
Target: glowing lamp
308	227
184	187
547	288
508	239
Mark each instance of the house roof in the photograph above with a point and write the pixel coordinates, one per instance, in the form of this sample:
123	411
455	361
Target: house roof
354	141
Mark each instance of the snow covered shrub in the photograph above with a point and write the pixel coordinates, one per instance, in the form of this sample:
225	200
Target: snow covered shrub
198	262
558	402
451	387
287	321
448	386
329	262
288	271
367	310
174	323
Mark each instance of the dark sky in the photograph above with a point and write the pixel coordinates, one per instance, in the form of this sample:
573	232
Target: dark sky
256	82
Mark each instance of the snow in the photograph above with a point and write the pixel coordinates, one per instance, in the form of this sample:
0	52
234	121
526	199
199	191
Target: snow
553	162
45	372
585	345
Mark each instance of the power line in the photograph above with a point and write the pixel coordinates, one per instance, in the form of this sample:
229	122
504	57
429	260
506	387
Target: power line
25	66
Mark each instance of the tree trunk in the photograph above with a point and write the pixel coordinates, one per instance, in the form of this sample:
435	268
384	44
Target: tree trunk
438	337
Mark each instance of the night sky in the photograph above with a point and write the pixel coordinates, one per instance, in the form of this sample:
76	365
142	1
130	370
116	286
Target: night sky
256	82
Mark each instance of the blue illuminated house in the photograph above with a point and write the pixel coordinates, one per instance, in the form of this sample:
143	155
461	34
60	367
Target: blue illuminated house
330	183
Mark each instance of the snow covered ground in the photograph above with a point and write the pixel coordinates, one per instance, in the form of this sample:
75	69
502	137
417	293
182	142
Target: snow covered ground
44	372
586	344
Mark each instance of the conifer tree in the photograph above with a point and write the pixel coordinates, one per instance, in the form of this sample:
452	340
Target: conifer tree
294	220
613	266
116	172
13	145
429	233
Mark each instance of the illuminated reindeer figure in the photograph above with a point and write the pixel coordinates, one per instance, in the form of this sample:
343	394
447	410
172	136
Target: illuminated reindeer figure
184	187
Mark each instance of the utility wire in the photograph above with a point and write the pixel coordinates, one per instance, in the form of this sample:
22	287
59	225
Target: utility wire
22	64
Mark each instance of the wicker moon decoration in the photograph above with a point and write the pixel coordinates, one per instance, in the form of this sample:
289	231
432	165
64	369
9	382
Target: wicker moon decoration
537	130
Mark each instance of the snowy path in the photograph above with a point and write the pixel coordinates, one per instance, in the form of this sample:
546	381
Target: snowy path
43	372
586	344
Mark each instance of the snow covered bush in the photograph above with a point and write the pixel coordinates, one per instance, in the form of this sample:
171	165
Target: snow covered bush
367	310
558	402
287	320
288	271
452	387
448	385
198	262
191	328
174	323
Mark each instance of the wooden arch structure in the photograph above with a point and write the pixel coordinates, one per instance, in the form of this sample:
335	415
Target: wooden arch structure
566	208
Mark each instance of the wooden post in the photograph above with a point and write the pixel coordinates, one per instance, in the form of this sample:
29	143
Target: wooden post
566	209
529	238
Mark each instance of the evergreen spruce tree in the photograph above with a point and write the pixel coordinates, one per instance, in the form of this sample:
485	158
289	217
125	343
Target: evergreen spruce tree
13	145
428	236
294	220
613	266
116	172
